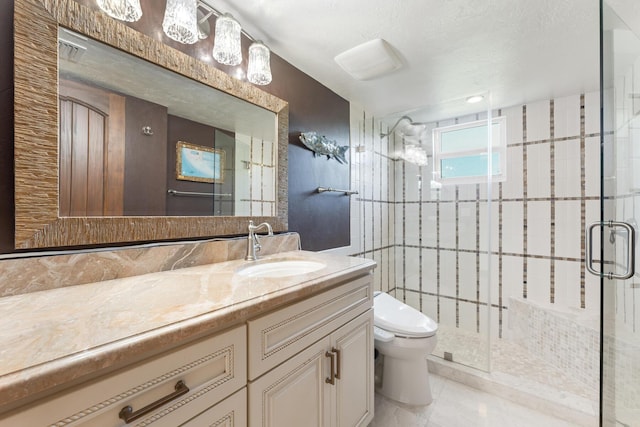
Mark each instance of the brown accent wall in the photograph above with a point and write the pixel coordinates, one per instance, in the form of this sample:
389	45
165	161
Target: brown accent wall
185	130
321	219
144	192
7	222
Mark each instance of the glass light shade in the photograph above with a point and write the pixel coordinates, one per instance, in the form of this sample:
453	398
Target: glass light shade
259	68
181	20
124	10
226	45
415	154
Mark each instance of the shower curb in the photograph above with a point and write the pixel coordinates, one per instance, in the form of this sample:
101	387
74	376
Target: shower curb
568	407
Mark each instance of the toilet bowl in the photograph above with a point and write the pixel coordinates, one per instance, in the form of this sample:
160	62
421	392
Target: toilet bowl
405	337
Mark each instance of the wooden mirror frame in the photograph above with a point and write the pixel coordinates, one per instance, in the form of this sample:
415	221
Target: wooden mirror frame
37	220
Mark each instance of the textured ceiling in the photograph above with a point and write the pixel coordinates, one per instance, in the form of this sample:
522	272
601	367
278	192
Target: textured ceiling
516	50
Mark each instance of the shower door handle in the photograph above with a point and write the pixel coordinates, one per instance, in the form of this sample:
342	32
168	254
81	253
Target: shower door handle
631	250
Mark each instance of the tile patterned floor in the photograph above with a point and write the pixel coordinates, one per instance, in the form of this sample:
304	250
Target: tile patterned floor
457	405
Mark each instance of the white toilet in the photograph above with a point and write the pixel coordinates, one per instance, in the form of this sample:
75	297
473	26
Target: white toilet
404	336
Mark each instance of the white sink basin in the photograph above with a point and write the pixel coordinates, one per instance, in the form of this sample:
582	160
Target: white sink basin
281	268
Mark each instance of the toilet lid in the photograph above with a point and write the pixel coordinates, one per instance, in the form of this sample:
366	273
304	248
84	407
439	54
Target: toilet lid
401	319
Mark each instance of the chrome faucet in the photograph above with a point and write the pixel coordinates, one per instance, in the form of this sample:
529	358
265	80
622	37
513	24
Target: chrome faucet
253	243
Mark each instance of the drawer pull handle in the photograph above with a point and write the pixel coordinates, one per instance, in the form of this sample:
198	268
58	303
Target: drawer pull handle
128	415
337	352
331	380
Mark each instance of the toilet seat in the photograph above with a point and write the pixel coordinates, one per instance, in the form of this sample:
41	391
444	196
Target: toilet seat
401	319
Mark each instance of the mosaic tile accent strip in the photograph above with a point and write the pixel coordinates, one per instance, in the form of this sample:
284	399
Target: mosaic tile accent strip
404	230
477	257
552	227
524	201
583	204
500	270
457	210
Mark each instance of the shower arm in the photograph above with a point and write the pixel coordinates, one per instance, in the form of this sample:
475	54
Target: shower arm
409	119
382	135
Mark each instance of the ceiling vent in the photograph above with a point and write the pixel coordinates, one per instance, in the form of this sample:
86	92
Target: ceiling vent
69	50
369	60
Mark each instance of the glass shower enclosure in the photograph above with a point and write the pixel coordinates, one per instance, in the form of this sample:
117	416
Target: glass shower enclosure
613	239
444	222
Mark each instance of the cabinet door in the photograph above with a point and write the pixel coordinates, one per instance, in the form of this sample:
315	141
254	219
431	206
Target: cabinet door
294	393
353	395
231	412
279	335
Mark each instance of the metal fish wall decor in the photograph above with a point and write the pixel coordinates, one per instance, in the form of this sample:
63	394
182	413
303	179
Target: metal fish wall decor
319	144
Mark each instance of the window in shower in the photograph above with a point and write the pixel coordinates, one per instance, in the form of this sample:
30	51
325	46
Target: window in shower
461	152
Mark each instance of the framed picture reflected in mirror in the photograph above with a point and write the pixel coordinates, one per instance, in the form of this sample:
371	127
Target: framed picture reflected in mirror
199	163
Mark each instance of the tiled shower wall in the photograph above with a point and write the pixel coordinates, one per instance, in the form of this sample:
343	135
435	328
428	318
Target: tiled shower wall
432	245
373	208
537	218
255	189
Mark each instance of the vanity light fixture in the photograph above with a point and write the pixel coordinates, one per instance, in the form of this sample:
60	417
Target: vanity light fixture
258	70
227	48
185	23
124	10
180	21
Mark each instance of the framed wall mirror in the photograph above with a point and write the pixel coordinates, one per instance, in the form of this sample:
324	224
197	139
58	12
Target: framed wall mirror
120	138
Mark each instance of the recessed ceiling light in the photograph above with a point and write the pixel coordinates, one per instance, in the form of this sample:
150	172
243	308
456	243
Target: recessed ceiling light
474	99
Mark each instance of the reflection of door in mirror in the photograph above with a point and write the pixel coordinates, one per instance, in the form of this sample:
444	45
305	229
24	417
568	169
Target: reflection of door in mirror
109	164
91	151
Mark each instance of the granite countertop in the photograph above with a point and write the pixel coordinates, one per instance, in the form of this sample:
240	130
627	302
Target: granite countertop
64	336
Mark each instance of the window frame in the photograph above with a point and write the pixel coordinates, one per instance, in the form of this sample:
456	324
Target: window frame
500	148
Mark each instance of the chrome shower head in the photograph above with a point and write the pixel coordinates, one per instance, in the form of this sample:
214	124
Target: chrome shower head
410	129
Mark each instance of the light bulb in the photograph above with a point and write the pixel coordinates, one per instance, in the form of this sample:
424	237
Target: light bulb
259	68
226	45
123	10
181	20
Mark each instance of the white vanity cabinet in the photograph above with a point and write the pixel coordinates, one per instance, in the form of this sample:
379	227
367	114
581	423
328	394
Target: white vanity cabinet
323	349
308	363
180	384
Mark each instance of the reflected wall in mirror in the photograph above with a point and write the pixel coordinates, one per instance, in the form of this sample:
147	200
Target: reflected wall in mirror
97	164
119	137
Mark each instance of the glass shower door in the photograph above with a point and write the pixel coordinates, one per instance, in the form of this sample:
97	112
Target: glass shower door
448	227
620	196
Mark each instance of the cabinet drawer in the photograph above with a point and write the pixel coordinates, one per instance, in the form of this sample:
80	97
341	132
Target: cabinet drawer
277	336
212	369
231	412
